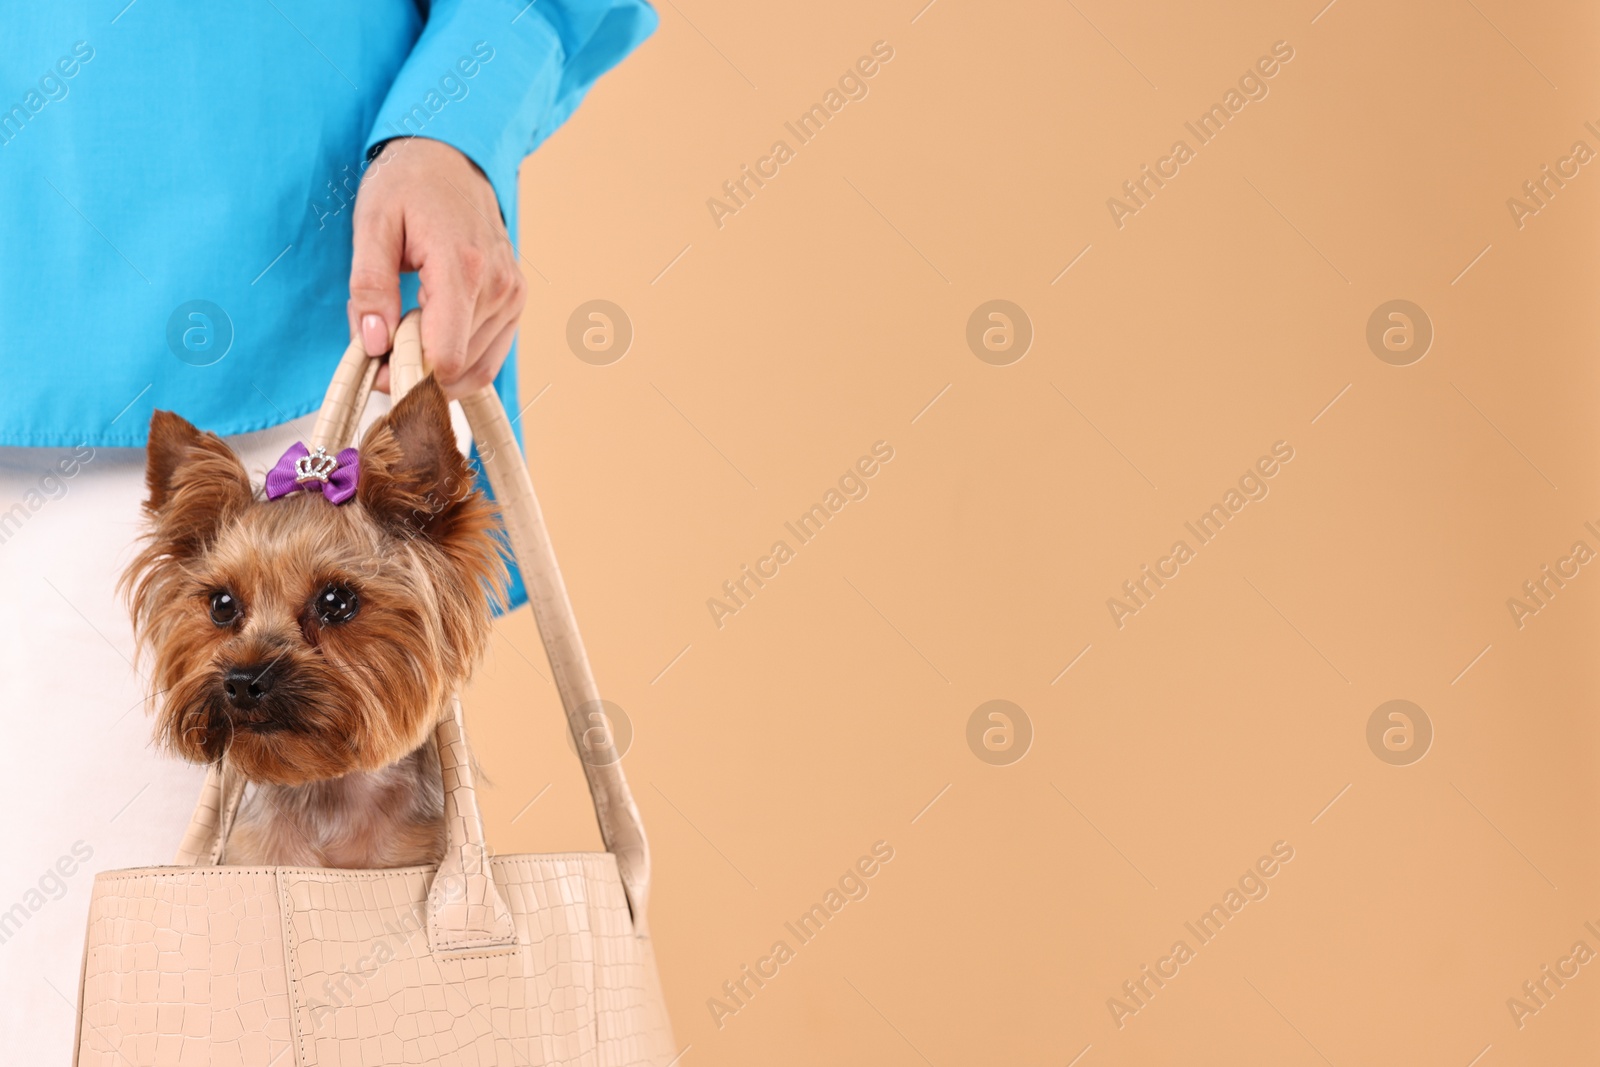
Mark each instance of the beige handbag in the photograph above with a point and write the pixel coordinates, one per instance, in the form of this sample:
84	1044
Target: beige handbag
526	960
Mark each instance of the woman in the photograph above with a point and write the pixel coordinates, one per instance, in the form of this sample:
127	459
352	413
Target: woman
201	206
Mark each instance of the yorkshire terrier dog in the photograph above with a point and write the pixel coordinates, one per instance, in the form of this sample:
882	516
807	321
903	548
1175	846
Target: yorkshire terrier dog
313	635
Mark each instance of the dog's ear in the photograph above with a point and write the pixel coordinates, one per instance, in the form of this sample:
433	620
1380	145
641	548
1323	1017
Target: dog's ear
196	484
412	474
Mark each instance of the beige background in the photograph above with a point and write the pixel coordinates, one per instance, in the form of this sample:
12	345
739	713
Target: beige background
1231	712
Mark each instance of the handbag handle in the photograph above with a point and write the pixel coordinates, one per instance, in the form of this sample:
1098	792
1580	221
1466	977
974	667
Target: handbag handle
465	908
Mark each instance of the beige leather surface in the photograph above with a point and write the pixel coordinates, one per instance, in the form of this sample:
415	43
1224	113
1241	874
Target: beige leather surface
346	398
483	960
255	966
465	910
219	801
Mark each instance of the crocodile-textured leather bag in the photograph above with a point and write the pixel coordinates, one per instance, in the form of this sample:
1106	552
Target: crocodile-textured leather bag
526	960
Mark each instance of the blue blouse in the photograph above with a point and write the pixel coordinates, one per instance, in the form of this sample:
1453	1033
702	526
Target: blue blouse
177	183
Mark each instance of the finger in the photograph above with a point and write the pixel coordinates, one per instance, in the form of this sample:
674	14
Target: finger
452	312
483	372
380	384
487	334
500	303
374	307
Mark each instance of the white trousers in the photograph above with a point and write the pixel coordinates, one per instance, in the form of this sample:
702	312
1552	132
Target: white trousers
82	786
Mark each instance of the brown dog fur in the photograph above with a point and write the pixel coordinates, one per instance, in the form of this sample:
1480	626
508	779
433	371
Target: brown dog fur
339	743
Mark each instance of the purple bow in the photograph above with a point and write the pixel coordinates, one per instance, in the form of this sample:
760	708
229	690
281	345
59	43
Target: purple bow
336	476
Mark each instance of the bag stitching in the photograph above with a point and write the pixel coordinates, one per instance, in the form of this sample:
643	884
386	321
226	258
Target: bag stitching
291	966
339	873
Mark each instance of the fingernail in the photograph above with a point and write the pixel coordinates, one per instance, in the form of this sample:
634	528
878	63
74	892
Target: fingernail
374	335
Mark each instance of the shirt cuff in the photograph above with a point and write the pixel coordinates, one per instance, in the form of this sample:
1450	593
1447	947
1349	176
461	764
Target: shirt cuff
493	80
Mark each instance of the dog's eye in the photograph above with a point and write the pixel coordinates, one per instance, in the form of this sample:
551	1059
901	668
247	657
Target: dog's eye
224	608
337	603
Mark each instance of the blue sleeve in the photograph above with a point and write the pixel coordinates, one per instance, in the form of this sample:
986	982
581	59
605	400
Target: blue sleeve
494	79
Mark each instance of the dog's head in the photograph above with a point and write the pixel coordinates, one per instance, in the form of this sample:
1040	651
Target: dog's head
303	639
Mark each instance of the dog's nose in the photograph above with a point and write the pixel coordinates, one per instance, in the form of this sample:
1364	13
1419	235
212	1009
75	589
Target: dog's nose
247	686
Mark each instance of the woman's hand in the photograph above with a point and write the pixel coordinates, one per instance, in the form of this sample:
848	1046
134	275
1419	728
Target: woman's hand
424	206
